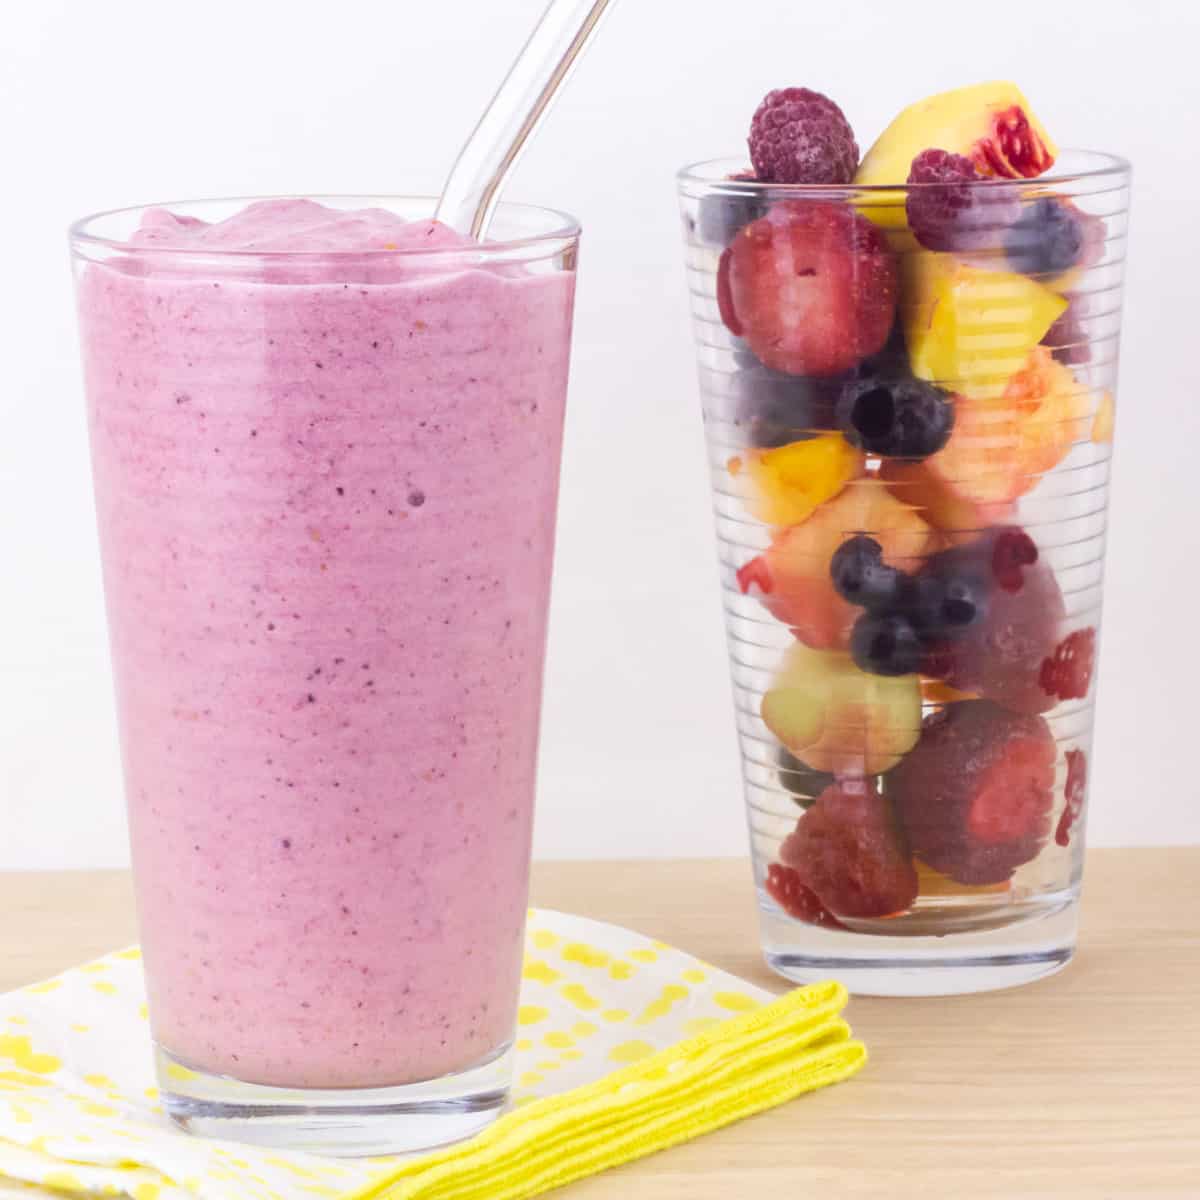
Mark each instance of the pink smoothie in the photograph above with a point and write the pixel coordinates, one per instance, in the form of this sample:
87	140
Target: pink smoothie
326	492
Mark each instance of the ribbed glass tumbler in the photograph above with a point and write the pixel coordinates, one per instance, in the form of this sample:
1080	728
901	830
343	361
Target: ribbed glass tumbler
908	396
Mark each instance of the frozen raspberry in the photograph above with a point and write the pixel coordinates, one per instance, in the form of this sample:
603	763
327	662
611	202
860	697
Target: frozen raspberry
811	286
1067	673
1075	791
849	850
800	136
1012	550
947	212
786	889
974	794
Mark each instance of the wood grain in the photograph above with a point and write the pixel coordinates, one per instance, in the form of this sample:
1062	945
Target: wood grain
1083	1085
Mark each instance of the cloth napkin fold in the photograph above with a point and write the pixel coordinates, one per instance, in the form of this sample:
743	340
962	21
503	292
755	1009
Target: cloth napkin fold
625	1046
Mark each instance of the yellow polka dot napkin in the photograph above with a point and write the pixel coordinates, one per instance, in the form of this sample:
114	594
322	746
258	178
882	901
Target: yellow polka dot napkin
625	1046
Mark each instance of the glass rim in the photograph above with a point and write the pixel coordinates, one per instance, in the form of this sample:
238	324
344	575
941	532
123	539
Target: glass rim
713	175
564	228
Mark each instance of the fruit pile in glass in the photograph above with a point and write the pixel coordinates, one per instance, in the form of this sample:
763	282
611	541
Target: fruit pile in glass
907	365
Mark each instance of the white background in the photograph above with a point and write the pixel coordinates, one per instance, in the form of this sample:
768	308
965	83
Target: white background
127	102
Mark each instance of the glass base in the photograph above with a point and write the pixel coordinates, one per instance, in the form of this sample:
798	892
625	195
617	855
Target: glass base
1030	945
345	1122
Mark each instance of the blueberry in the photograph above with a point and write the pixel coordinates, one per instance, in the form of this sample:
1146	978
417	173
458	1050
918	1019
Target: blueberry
774	408
1046	239
804	784
723	214
895	416
862	577
946	599
885	645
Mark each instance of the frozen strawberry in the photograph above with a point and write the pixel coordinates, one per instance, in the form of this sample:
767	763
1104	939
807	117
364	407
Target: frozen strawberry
974	795
786	889
850	852
811	286
1067	673
1075	792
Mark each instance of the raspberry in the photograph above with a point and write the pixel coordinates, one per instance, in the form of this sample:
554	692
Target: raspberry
800	136
850	852
1012	550
1075	791
947	210
786	889
811	286
974	795
1067	673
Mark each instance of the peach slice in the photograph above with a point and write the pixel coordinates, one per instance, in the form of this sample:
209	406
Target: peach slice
934	883
834	717
790	482
970	330
1053	410
989	123
792	578
998	450
1105	419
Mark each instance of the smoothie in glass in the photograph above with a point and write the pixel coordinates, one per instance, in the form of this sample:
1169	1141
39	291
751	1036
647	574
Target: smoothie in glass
326	452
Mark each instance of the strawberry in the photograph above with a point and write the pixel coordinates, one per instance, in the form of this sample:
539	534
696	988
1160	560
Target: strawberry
974	794
811	286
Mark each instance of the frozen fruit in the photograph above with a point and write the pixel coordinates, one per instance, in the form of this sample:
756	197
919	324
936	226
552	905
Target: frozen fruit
1067	673
948	210
940	499
725	293
774	409
861	577
947	597
834	717
850	851
723	213
811	286
934	883
969	329
1066	339
975	794
1000	656
1046	239
801	136
789	482
1074	794
1052	409
885	644
998	450
1012	551
989	123
804	784
792	577
784	886
1105	420
896	416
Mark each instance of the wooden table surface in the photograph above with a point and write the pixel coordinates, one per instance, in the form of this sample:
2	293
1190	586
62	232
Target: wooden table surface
1083	1085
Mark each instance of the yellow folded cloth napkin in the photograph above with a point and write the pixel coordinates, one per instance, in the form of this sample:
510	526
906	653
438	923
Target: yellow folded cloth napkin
625	1046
